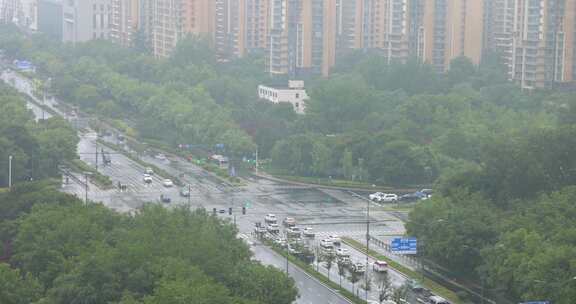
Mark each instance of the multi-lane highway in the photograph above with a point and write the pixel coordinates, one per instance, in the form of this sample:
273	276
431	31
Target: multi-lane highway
328	212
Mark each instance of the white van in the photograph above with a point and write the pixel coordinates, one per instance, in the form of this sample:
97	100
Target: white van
437	300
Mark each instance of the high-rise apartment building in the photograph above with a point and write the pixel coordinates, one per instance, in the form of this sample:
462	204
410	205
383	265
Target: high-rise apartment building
23	13
241	27
302	37
349	25
50	18
199	17
162	21
386	24
446	29
85	20
535	38
125	15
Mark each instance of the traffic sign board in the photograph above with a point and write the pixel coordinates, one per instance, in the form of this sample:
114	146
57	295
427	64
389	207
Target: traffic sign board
404	245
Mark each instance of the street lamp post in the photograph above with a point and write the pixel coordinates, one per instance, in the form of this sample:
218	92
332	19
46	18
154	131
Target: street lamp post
86	174
10	172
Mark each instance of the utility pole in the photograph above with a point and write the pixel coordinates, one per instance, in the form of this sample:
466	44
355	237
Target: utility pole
189	195
10	172
96	157
287	253
86	174
256	160
366	282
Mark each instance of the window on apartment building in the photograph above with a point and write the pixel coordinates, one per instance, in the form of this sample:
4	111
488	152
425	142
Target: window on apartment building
297	95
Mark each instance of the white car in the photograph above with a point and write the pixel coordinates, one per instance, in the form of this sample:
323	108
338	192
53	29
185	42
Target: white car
326	244
335	240
294	231
271	218
147	178
309	232
273	228
160	156
377	196
389	198
358	267
167	183
289	222
342	252
149	171
383	197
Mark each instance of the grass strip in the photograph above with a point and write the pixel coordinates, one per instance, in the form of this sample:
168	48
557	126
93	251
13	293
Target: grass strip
102	181
317	275
157	170
428	283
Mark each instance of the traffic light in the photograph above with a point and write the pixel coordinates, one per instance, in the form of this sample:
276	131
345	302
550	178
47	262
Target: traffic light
243	210
230	211
214	211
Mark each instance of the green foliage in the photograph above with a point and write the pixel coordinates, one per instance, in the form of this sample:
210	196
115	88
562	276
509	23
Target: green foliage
37	148
66	252
16	289
509	221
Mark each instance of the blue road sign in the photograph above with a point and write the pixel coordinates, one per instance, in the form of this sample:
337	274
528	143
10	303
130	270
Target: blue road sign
23	65
404	245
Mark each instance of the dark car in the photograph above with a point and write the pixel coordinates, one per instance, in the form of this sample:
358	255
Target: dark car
165	198
410	197
184	192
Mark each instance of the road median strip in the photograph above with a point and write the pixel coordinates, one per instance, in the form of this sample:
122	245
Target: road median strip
157	170
426	282
316	275
102	181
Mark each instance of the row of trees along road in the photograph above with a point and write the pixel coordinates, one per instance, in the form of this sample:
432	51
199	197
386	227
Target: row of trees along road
371	121
36	147
511	222
63	251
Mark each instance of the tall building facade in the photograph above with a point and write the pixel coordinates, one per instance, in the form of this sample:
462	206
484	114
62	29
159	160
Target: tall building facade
124	20
447	29
242	26
85	20
382	26
199	17
23	13
386	24
349	25
535	39
302	37
50	18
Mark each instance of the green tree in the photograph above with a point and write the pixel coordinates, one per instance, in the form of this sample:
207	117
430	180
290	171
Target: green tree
16	288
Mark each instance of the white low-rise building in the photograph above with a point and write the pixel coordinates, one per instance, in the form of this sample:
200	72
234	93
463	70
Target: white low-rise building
294	94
